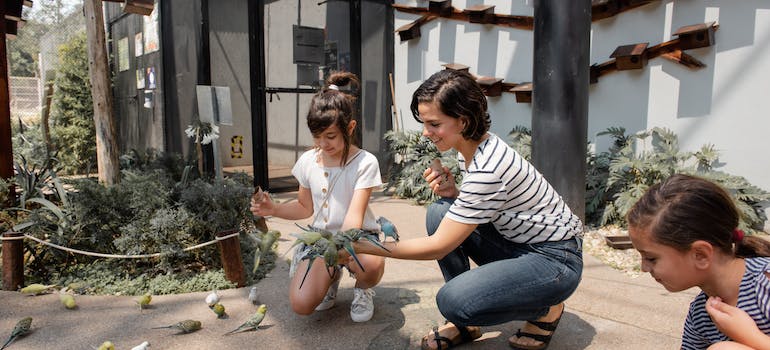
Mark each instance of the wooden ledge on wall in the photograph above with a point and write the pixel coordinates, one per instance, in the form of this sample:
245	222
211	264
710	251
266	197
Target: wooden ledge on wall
411	31
696	36
456	66
440	7
139	7
491	86
632	56
523	92
483	14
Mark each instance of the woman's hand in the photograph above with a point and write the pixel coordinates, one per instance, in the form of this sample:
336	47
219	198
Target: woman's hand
263	206
441	182
732	321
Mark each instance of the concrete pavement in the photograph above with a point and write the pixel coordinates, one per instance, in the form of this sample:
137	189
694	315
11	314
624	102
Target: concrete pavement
609	310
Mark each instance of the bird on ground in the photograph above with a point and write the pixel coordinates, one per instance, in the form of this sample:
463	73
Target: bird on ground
36	288
218	309
107	345
212	298
388	228
142	346
21	328
186	326
144	301
253	322
68	300
253	295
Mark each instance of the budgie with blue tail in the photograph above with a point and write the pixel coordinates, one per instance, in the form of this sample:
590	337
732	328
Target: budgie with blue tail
387	228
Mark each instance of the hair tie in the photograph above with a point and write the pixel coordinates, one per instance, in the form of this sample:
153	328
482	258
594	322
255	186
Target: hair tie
334	87
737	235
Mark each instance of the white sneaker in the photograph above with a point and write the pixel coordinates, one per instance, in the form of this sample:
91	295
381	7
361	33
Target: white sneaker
331	295
362	308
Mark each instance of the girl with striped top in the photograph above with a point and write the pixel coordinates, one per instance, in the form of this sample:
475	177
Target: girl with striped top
685	230
505	217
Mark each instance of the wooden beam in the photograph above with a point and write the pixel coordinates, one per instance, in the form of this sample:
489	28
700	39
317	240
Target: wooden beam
104	121
6	145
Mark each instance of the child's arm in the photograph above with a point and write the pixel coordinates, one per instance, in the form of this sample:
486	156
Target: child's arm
736	324
355	215
292	210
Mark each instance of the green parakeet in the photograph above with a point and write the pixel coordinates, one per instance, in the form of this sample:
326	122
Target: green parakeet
144	300
253	322
36	288
186	326
68	300
22	327
107	345
218	309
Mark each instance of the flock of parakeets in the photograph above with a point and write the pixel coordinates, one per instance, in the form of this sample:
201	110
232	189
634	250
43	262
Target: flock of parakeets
24	325
323	244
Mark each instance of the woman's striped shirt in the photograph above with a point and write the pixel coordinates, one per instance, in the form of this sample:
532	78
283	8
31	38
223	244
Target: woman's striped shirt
753	297
501	187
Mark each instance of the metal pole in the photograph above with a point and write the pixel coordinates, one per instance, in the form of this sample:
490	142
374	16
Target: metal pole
560	96
258	100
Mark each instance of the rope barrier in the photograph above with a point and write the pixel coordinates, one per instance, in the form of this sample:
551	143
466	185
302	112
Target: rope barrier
116	256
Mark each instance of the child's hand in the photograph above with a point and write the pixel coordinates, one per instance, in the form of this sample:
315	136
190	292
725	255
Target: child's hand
732	321
261	204
440	180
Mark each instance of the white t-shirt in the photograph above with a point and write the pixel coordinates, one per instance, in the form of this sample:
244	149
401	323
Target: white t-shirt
362	171
501	187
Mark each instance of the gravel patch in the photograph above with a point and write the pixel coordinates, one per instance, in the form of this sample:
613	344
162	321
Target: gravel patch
626	260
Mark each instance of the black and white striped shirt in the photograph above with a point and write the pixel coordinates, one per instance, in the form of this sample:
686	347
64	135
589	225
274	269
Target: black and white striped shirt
753	297
501	187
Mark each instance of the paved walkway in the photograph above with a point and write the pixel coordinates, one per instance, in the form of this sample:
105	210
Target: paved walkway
609	310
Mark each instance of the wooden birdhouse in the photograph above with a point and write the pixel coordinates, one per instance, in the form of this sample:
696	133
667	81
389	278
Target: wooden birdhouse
409	31
604	8
455	66
523	92
139	7
632	56
491	86
480	13
440	7
696	35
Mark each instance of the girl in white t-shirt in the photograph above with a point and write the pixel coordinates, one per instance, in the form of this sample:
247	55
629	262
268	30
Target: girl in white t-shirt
686	231
336	180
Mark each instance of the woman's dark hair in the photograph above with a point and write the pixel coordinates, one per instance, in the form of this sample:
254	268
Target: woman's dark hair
332	106
683	209
458	95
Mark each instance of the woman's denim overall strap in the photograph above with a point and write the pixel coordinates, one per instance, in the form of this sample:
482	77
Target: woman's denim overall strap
514	281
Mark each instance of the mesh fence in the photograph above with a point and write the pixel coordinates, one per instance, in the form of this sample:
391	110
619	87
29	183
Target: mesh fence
33	55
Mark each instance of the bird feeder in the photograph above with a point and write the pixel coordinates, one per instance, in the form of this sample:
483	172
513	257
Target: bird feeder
601	9
632	56
480	13
409	31
456	66
440	7
491	86
139	7
696	35
523	92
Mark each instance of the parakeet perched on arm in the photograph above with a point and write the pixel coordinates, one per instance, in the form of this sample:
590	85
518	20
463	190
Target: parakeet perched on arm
253	322
144	300
186	326
387	228
22	327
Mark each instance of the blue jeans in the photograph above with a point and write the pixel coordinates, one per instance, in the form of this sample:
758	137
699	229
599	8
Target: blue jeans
513	281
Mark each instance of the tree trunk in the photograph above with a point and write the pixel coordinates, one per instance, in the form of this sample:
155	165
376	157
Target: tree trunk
104	122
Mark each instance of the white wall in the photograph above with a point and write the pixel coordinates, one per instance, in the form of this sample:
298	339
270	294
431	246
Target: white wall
725	103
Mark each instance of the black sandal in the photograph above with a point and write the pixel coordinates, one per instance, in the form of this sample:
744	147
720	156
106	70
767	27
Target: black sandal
544	339
465	336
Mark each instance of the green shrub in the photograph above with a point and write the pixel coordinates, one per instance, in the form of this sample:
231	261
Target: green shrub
414	153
